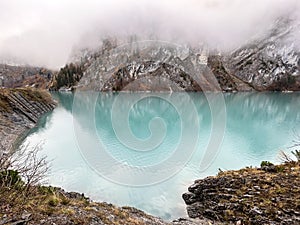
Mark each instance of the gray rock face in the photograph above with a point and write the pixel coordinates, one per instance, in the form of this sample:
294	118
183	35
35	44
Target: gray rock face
20	110
149	76
247	196
270	63
145	66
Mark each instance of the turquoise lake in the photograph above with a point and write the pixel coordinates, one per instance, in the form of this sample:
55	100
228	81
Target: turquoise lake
144	149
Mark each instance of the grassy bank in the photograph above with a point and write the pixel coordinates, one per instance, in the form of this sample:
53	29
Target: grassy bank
48	205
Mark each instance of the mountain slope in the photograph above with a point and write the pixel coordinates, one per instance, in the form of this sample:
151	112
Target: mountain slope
267	63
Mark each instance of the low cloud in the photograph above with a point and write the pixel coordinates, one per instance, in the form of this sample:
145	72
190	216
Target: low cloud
45	32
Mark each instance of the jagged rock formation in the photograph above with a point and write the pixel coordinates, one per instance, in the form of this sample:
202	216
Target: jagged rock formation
266	63
20	110
22	76
269	195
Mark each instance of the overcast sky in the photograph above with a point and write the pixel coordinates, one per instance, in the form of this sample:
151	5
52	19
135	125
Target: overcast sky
43	32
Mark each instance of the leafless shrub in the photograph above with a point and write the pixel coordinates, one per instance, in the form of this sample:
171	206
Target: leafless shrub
296	141
284	157
296	144
296	153
22	169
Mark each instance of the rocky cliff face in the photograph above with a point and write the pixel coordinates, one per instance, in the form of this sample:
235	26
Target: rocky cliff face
269	62
20	110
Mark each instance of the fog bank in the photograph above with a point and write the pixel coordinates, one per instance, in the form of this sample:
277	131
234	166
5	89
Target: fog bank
45	32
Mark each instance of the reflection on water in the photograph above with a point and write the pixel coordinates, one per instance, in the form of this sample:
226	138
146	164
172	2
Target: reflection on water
258	126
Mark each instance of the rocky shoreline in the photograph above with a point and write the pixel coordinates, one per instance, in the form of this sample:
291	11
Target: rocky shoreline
20	110
51	205
266	195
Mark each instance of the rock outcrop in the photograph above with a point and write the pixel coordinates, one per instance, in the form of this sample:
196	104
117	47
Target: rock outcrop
20	110
269	195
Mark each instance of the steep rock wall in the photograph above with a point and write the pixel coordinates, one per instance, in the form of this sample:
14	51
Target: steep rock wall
20	110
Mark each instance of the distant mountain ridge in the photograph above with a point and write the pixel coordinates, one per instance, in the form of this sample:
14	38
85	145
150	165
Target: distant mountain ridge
269	63
13	76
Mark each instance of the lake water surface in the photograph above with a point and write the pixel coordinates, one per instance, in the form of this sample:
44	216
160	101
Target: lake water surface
92	140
